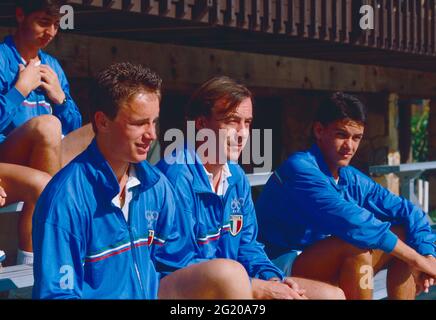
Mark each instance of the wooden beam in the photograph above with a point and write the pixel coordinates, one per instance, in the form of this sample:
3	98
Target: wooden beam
181	67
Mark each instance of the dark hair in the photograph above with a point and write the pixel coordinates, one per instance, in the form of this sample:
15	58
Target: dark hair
119	83
341	106
220	94
51	7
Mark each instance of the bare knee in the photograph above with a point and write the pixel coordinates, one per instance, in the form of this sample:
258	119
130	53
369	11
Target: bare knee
36	184
213	279
46	130
224	271
350	251
329	292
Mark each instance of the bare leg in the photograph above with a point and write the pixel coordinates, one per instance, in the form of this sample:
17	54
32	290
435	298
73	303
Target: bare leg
23	184
400	282
214	279
75	143
337	262
35	144
316	290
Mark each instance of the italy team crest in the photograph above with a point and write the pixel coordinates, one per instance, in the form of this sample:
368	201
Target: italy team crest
150	237
236	223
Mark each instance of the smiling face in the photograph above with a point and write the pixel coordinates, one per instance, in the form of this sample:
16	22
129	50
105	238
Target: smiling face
233	127
338	142
132	131
37	28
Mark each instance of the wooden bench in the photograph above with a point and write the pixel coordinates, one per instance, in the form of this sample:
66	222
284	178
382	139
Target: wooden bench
16	277
14	207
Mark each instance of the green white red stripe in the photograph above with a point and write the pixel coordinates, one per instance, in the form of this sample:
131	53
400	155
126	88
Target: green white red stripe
214	236
123	248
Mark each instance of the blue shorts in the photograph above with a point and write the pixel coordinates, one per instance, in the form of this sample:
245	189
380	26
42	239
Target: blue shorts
285	262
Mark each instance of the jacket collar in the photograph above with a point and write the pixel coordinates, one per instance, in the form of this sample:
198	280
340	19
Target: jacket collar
9	41
319	158
105	177
201	182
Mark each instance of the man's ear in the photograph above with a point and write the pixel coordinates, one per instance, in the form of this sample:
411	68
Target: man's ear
19	15
318	130
101	121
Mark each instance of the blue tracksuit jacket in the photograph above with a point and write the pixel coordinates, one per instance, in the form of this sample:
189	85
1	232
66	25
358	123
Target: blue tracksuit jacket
209	226
83	246
16	109
301	204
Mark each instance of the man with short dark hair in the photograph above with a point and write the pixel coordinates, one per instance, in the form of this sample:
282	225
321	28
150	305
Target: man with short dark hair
36	109
91	237
346	225
99	217
217	217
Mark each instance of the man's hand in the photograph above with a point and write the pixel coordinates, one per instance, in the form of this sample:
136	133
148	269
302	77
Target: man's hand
50	83
294	285
274	289
29	77
422	279
3	196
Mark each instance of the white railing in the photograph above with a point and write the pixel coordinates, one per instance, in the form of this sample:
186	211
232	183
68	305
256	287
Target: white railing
409	174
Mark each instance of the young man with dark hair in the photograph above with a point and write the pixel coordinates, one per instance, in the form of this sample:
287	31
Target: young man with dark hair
217	217
36	109
346	225
98	218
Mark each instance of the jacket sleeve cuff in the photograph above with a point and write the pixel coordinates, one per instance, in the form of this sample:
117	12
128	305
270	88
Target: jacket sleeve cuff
389	241
59	108
426	249
15	97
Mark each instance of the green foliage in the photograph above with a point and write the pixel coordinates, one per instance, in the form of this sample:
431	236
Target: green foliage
433	215
420	136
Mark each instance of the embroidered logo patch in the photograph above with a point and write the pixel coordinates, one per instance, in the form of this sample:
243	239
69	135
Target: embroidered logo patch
236	205
151	217
236	222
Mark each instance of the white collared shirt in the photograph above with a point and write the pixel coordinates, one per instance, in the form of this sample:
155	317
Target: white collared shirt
223	184
132	181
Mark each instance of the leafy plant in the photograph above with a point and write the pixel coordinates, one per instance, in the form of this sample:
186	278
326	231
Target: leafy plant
419	124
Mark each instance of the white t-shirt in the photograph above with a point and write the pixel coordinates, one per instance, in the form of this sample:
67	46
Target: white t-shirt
132	181
223	184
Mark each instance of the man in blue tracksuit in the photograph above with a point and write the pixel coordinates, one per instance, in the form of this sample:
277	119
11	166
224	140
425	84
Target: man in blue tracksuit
217	217
96	220
84	245
341	220
36	109
99	217
35	97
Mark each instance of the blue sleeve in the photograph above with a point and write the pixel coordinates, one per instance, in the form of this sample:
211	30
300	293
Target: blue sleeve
400	211
323	207
251	253
58	267
67	113
180	248
10	100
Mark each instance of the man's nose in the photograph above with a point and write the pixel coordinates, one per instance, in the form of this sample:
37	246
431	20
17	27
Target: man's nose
150	133
348	143
52	30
